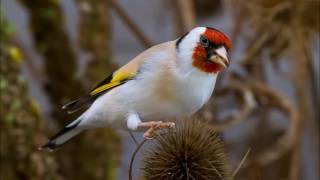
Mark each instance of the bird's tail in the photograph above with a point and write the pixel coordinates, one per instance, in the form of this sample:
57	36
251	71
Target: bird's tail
63	135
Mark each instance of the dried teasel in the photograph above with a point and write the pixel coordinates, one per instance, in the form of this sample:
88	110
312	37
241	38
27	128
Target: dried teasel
192	150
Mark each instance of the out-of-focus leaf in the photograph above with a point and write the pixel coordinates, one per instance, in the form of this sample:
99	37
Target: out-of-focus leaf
9	118
49	13
3	83
21	80
34	108
6	29
15	54
16	105
56	2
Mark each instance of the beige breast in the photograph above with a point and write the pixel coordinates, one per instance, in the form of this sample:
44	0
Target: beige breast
134	65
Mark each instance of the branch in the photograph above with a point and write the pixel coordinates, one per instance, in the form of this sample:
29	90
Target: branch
131	24
247	104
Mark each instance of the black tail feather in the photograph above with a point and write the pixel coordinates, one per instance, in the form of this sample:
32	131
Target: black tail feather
52	143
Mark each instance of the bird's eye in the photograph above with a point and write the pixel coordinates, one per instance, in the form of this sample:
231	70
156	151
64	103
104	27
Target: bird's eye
204	41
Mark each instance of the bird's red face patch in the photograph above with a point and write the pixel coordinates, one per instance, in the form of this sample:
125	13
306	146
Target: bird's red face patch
201	61
201	52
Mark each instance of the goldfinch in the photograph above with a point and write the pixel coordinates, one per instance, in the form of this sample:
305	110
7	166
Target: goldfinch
167	81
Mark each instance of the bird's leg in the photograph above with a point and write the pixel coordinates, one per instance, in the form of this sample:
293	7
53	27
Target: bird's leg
134	122
153	126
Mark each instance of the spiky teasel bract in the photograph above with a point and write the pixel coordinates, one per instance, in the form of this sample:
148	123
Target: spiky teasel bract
192	150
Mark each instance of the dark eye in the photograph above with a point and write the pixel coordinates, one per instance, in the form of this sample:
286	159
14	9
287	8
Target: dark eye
204	41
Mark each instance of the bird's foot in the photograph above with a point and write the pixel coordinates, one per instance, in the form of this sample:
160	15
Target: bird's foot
153	126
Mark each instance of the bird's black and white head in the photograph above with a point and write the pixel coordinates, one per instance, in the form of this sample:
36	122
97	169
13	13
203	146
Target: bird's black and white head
205	49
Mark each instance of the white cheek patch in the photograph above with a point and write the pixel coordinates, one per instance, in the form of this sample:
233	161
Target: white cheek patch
223	53
190	41
186	48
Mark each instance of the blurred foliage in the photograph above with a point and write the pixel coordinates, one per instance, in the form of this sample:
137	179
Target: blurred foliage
6	29
86	154
21	127
52	42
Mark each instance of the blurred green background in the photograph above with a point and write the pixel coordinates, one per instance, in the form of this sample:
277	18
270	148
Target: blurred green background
54	51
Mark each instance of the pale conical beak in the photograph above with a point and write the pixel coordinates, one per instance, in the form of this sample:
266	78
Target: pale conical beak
220	57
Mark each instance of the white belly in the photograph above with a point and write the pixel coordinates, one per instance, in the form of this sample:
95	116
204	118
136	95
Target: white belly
166	100
152	100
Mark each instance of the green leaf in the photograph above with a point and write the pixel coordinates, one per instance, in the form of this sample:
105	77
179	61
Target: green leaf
3	83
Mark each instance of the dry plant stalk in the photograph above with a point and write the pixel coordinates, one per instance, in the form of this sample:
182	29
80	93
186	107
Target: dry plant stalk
247	104
275	31
285	143
137	32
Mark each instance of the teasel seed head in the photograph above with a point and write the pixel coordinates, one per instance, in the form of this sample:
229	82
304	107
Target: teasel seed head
192	150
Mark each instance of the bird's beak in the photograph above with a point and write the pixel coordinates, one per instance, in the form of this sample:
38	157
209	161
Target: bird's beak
220	57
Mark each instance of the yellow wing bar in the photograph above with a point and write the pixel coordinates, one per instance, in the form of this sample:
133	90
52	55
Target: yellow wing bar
117	79
103	88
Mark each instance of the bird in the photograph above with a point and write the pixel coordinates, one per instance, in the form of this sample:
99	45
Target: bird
170	80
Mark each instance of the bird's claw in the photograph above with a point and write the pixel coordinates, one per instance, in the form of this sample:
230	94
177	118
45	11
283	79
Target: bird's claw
151	132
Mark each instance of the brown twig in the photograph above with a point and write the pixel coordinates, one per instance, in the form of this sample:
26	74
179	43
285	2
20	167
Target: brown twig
235	172
184	16
247	105
280	27
146	42
302	83
94	31
286	141
263	36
